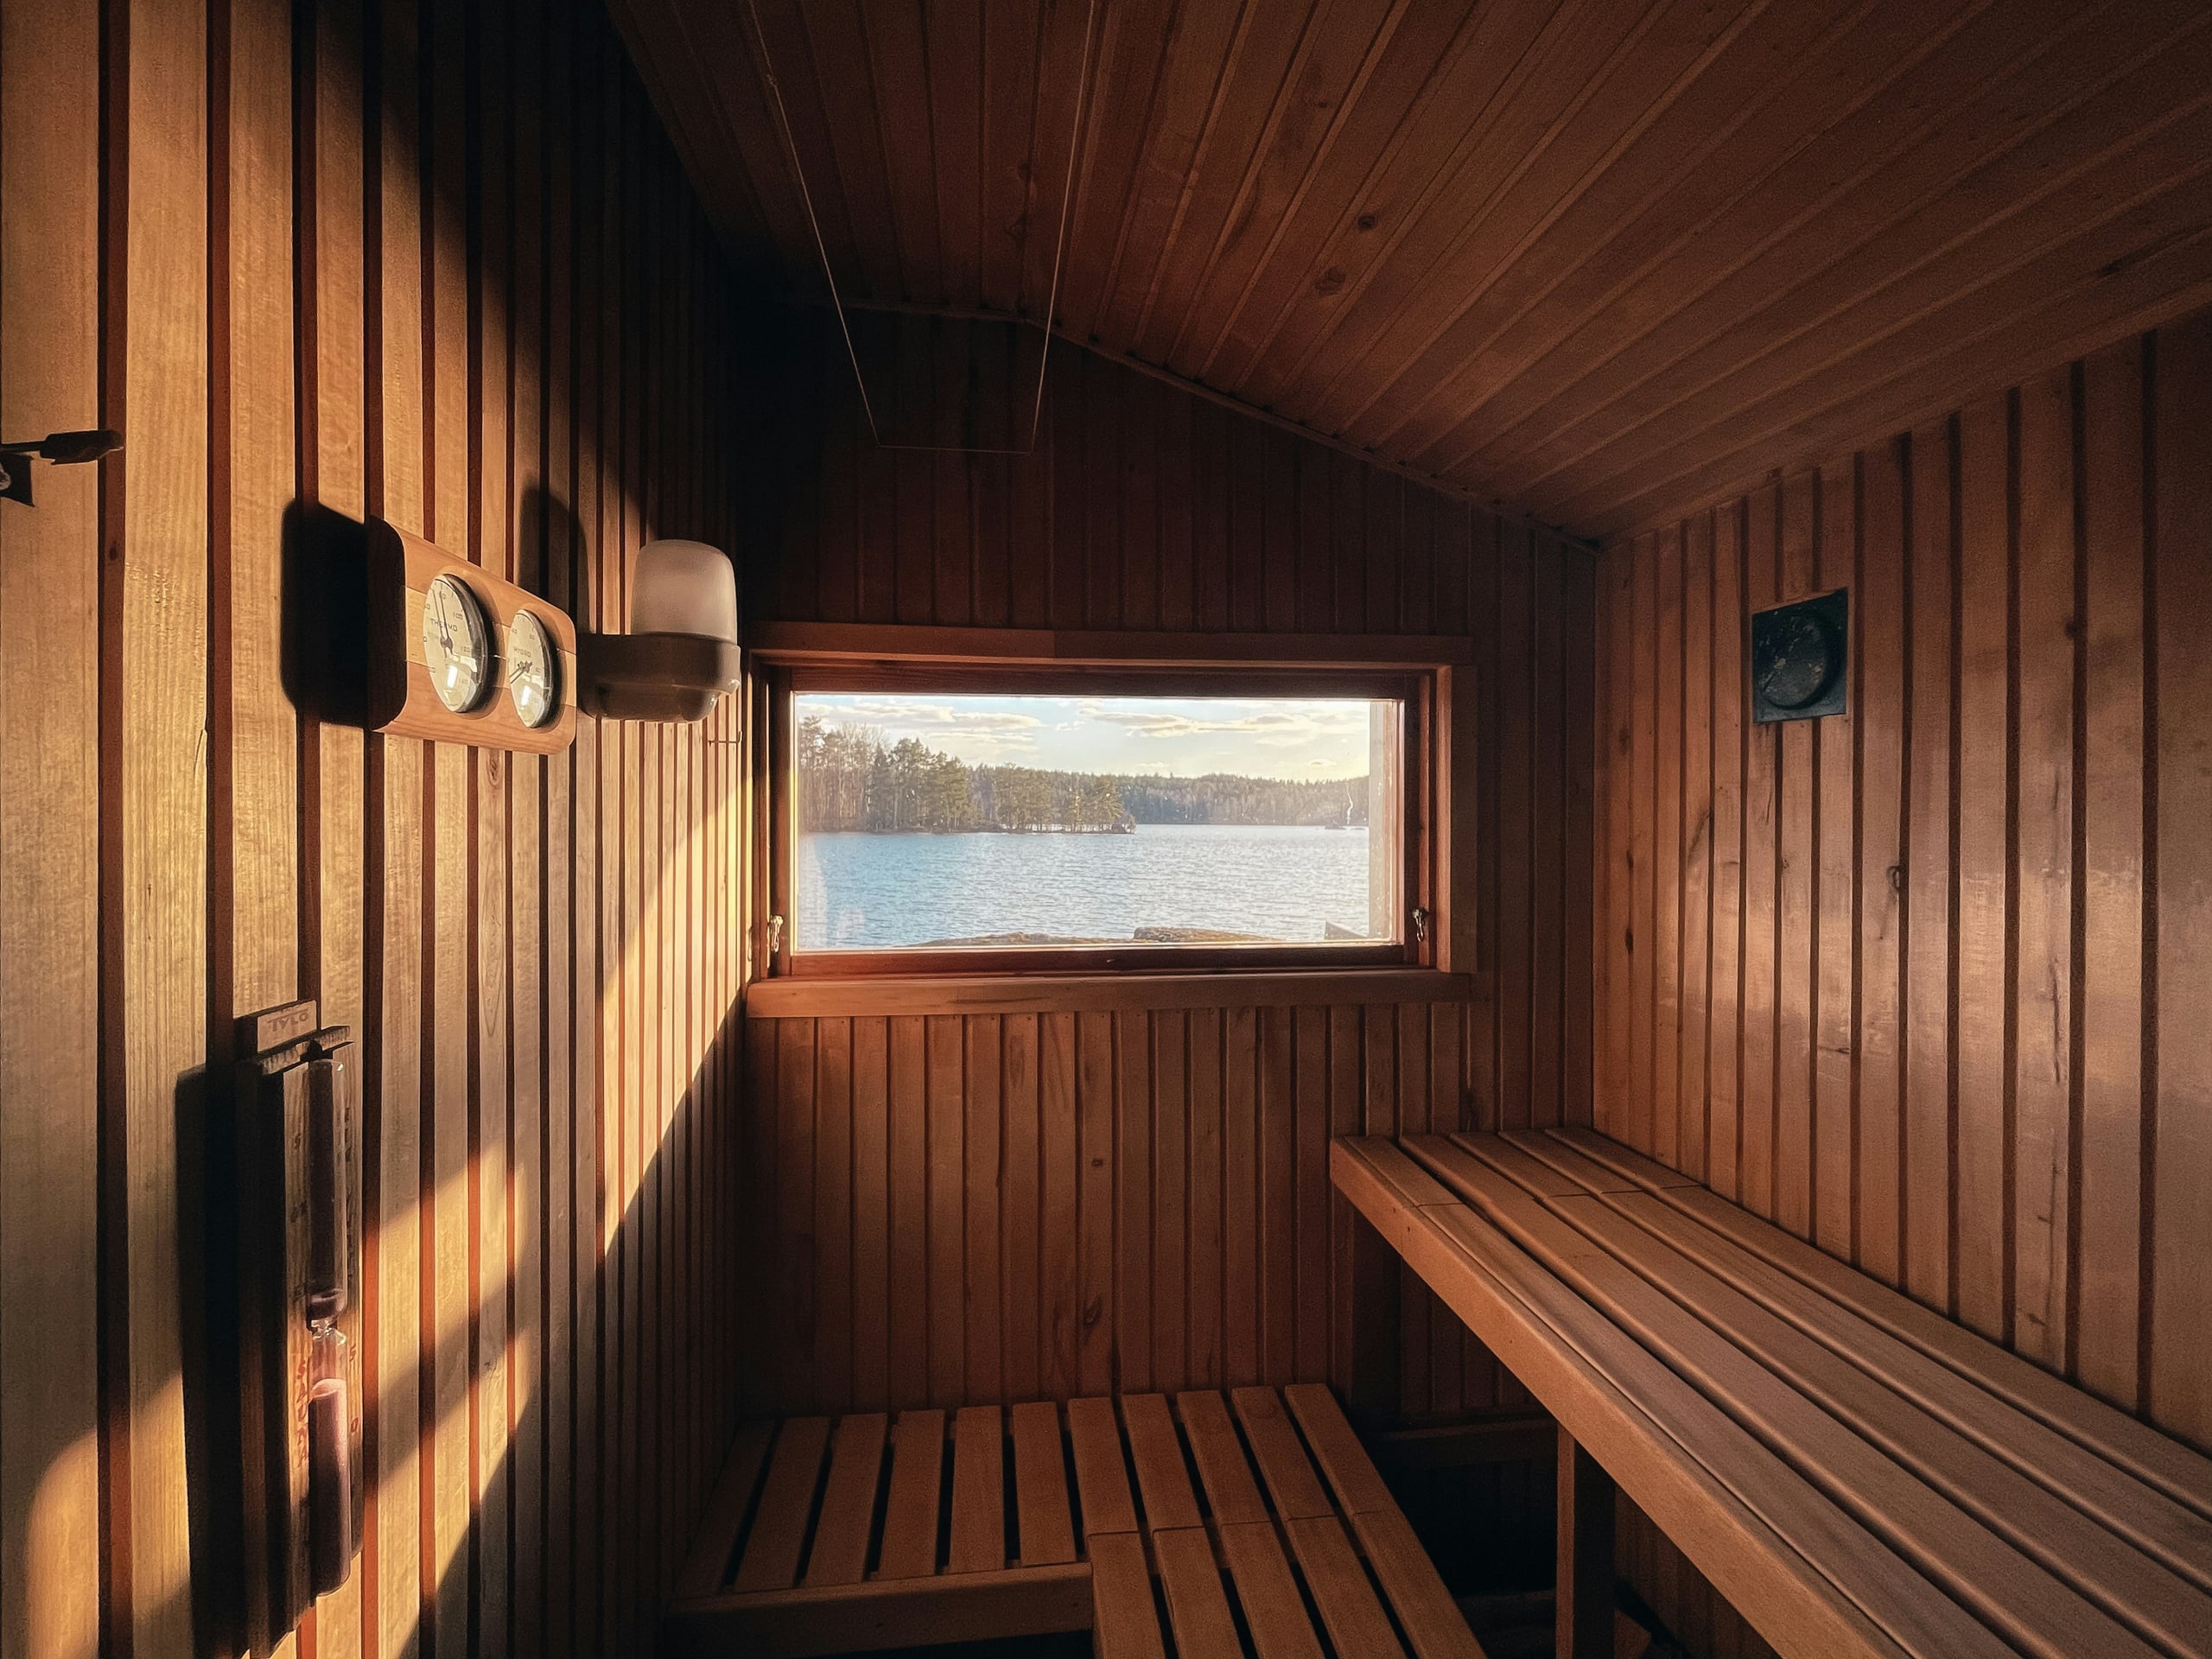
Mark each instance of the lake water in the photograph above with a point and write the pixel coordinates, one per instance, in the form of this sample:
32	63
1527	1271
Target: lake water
863	892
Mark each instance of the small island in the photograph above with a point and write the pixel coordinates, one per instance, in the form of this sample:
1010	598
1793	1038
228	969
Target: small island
851	780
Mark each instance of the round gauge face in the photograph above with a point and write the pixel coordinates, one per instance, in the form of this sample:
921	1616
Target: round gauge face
1798	663
533	670
457	644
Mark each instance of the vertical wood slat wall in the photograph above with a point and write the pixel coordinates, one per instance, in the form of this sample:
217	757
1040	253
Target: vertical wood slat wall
1929	983
436	262
1145	507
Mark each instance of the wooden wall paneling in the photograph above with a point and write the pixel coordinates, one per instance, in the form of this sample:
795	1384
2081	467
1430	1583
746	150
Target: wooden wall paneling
2045	1080
1988	943
1185	1143
944	1173
1725	995
1831	1206
1312	1070
1208	1239
342	271
1553	915
1617	738
1796	892
1130	1228
1063	1314
1643	795
1665	856
1695	891
1021	1215
154	831
252	919
329	253
2180	1396
392	1249
2115	784
1984	913
1930	1093
1172	1181
1518	763
1878	597
1093	1098
527	1228
1762	911
51	718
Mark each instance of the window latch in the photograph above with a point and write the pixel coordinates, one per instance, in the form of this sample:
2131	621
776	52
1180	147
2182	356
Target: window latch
1420	925
775	938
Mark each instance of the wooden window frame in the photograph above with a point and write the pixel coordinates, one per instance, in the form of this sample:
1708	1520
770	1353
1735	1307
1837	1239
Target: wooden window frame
1422	691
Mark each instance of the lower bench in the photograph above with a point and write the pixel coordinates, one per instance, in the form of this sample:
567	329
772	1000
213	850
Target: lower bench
869	1531
1856	1474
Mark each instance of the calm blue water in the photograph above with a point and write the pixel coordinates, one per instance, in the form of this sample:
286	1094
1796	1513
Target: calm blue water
859	891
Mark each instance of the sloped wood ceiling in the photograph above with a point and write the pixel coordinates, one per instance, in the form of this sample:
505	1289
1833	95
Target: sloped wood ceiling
1596	260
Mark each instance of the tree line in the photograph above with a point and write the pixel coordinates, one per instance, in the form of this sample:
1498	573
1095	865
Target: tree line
850	777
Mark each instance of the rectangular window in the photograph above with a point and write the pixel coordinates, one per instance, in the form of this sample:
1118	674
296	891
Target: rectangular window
1125	826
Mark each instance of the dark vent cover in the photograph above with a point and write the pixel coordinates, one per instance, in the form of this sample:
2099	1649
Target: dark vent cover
1799	655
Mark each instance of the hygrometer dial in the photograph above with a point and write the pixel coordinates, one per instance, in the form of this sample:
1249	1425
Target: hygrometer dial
457	644
533	670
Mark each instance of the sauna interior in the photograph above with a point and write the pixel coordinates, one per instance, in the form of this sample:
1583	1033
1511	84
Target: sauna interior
1166	828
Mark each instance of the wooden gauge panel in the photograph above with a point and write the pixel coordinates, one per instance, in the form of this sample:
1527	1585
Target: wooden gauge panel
458	656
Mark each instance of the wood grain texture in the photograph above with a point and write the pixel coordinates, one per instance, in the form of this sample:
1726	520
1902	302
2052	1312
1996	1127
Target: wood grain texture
1996	1116
50	754
1182	1124
316	260
1600	264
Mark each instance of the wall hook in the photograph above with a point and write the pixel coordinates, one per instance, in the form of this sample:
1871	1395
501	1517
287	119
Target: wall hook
63	449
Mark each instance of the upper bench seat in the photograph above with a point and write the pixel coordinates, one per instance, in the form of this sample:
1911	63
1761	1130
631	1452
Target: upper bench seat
1856	1474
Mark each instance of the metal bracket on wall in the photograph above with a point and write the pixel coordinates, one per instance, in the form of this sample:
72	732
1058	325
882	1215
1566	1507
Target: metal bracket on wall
295	1197
63	449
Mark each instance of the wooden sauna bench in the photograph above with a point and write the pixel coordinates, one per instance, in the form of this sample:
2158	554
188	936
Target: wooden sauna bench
872	1531
1856	1474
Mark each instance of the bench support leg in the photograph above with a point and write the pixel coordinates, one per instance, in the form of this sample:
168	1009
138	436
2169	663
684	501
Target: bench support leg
1584	1604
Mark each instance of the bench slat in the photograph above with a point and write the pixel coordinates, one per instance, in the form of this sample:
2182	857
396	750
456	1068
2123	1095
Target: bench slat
707	1568
1274	1611
1355	1619
1679	1456
2134	1446
841	1537
978	1543
1231	1493
1125	1625
1162	1479
1102	1478
1968	1559
1336	1449
1296	1489
771	1553
1040	1486
1198	1606
910	1513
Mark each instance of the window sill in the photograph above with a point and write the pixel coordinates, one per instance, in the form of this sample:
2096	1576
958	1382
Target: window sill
810	999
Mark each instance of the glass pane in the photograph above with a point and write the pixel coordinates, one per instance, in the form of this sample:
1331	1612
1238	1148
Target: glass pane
971	822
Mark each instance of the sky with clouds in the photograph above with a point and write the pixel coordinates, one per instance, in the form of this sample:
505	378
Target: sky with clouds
1185	737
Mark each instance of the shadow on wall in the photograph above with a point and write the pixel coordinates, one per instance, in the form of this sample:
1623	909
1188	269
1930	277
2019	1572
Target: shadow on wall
571	1509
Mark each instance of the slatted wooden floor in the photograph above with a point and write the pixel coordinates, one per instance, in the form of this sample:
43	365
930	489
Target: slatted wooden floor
1204	1525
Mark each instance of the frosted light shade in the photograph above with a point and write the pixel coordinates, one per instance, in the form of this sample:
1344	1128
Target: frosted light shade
685	587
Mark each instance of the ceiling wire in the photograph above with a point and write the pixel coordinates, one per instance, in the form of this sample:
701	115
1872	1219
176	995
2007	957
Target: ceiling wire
822	248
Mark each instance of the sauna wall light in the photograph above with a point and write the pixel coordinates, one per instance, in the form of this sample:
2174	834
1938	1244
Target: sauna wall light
681	652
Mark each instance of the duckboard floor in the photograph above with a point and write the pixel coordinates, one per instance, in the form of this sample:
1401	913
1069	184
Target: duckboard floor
1211	1525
